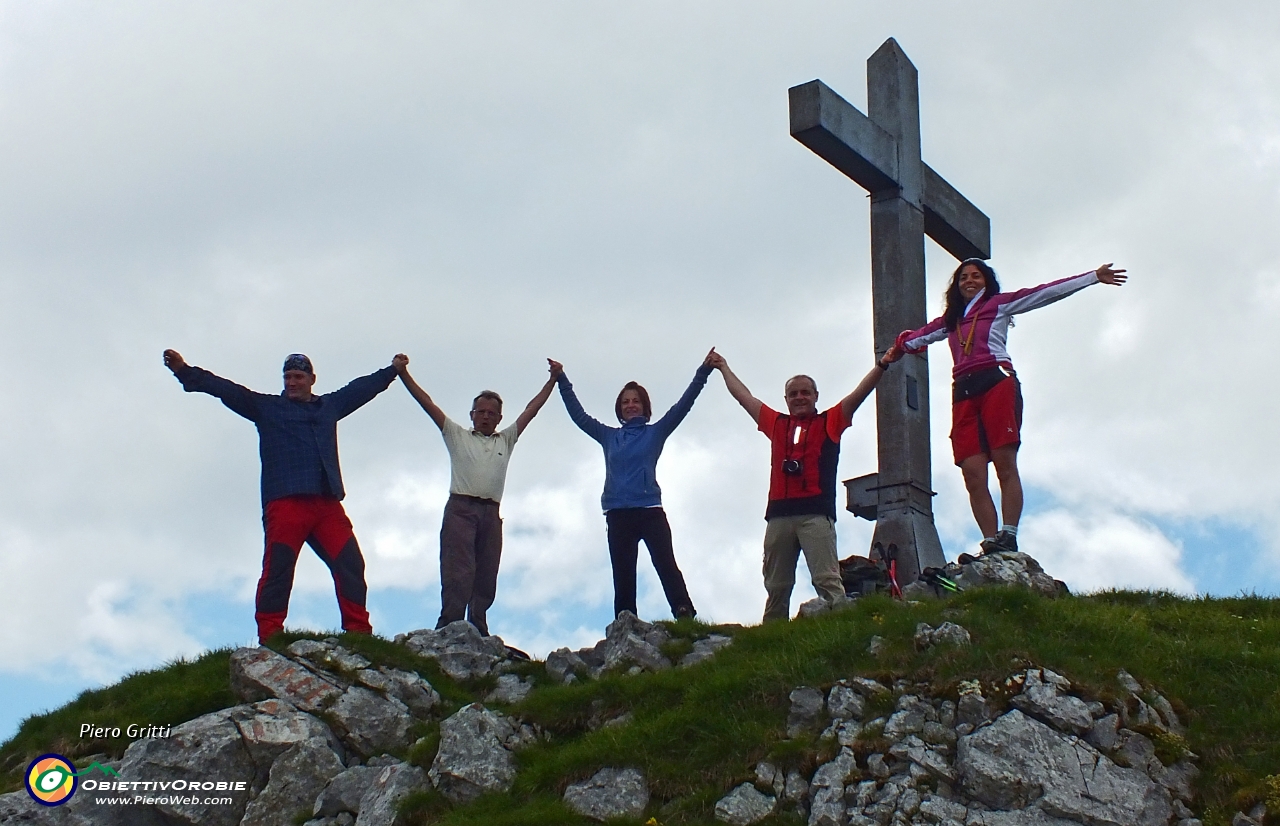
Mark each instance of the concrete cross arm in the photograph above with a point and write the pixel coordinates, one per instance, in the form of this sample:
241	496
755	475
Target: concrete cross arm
842	136
957	225
851	142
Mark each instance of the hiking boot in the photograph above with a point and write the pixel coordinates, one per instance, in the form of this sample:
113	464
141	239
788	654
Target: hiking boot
684	612
1003	541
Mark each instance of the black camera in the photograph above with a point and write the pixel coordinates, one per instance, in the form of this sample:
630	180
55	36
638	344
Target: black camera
792	467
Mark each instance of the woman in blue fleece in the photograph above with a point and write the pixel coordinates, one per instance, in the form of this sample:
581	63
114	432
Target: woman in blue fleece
632	500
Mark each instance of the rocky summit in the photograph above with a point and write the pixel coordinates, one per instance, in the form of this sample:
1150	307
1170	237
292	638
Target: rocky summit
325	735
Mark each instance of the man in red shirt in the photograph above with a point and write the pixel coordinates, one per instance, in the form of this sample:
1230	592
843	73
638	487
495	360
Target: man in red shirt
801	514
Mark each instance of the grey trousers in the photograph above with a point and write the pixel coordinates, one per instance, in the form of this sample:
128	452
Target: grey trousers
470	551
784	539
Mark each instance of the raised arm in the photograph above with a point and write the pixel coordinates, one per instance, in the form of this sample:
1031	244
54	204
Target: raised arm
359	392
588	425
535	404
673	417
735	386
855	399
420	395
240	400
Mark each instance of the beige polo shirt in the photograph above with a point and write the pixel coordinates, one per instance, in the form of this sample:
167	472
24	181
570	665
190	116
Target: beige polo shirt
478	464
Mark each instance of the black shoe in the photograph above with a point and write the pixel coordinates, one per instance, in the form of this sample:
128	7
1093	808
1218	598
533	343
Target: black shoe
1002	542
684	612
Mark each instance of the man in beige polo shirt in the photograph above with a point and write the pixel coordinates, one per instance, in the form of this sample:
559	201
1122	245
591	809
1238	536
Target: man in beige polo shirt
471	533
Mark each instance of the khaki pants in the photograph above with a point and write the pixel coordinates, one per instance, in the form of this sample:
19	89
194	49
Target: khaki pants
784	539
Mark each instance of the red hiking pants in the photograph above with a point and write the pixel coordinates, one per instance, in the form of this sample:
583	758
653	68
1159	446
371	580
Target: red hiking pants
323	524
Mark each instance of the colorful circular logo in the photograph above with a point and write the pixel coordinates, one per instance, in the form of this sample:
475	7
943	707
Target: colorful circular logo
51	779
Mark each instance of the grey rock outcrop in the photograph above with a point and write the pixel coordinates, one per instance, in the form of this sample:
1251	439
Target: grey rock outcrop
260	673
745	805
296	777
704	649
610	793
1007	568
475	754
369	722
344	792
564	665
806	710
390	785
1017	762
1042	697
630	640
948	633
510	689
411	689
460	649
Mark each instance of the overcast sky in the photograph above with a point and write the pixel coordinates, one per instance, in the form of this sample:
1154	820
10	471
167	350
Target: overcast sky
483	185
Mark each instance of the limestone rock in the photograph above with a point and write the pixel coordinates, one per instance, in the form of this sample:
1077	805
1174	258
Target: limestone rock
844	702
1041	699
510	689
806	709
370	723
745	805
260	673
948	633
1008	568
563	665
704	649
1017	761
344	792
328	656
473	758
390	785
609	793
461	650
407	687
296	777
631	640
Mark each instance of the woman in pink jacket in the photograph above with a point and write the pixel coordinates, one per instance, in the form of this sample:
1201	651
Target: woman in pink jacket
986	408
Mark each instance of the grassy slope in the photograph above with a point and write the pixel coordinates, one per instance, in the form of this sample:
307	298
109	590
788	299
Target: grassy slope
698	732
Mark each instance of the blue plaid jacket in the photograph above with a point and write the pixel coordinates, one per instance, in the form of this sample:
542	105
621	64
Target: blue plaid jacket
298	441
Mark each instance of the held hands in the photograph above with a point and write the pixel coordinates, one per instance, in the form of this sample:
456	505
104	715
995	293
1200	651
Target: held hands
715	360
173	360
400	363
1109	276
555	368
890	356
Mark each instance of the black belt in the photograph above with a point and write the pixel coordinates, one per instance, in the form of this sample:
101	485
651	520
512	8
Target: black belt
480	499
969	385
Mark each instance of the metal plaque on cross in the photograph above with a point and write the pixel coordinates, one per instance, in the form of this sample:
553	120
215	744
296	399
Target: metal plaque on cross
881	152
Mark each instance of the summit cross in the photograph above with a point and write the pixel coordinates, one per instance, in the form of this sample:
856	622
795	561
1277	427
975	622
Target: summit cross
881	152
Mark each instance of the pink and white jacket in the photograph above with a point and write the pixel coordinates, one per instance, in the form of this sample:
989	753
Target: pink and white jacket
978	341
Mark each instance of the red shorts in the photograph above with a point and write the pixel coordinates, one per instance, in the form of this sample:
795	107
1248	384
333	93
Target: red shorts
984	423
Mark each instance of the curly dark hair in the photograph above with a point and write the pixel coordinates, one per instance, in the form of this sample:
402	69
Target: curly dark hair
955	302
644	401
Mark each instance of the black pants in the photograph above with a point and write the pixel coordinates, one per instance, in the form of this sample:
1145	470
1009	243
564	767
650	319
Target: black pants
627	526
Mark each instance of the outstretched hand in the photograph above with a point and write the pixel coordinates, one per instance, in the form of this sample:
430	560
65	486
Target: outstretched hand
555	368
1109	276
173	360
892	354
715	360
400	362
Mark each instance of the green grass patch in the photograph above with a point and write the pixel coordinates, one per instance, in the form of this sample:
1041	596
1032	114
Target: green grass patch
179	691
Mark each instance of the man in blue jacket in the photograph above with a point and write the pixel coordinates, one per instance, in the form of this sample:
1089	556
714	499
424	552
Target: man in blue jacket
301	482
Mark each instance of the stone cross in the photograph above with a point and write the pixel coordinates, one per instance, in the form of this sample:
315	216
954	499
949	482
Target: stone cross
881	151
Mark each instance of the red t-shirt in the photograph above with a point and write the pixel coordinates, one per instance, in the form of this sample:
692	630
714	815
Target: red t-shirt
814	442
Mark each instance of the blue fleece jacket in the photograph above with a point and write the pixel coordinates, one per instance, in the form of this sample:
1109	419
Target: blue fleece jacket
631	452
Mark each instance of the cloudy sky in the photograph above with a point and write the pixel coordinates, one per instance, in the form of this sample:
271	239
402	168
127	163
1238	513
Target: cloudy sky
482	185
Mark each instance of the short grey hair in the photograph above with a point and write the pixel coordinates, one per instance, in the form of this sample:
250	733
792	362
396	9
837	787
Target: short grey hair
489	394
800	376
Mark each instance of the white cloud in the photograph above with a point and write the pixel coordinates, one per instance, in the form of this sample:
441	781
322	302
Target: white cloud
1096	550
